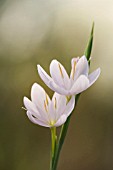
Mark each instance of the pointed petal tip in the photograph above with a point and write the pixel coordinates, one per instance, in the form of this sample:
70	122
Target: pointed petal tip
25	99
84	57
35	85
38	66
99	70
54	60
94	76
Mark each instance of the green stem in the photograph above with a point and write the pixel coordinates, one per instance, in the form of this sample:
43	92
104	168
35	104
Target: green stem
53	145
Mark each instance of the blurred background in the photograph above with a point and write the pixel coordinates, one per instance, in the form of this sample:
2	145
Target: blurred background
35	32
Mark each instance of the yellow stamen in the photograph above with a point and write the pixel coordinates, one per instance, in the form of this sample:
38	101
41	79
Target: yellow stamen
74	67
60	70
45	106
47	102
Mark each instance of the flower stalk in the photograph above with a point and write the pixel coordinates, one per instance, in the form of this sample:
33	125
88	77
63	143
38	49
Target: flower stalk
53	145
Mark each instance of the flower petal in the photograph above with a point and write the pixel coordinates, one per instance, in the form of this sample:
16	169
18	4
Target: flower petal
80	85
38	96
59	74
49	81
58	89
61	120
30	106
70	106
36	121
73	67
94	76
59	104
37	112
44	76
81	67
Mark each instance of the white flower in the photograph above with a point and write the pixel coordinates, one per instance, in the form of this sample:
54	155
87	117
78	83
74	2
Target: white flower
78	81
45	112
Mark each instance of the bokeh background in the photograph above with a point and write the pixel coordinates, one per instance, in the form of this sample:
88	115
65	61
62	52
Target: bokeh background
35	32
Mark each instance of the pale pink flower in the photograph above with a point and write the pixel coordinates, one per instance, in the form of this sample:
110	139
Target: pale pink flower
43	111
78	81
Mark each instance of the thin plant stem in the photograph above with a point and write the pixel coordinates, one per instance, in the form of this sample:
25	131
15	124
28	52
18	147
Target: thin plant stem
53	145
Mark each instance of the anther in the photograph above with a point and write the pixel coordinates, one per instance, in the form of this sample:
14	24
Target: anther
60	70
47	99
74	67
45	106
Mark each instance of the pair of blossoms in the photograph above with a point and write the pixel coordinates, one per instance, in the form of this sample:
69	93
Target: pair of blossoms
41	109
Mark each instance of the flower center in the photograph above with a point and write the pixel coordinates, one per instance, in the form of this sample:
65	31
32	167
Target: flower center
52	122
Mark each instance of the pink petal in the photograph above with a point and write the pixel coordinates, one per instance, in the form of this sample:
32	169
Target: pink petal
70	106
30	106
59	74
58	89
38	96
36	121
44	76
94	76
61	121
80	85
81	68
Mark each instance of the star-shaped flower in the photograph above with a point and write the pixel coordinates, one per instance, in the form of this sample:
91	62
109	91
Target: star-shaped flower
43	111
78	81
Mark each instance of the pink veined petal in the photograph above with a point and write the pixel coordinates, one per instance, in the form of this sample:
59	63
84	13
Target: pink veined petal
80	85
44	76
94	76
36	121
81	68
38	96
61	121
70	106
59	74
58	89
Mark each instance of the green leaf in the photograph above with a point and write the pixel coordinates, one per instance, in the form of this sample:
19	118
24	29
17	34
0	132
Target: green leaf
88	49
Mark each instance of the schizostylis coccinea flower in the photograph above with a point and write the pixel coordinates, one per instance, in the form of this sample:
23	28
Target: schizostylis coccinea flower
78	81
43	111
